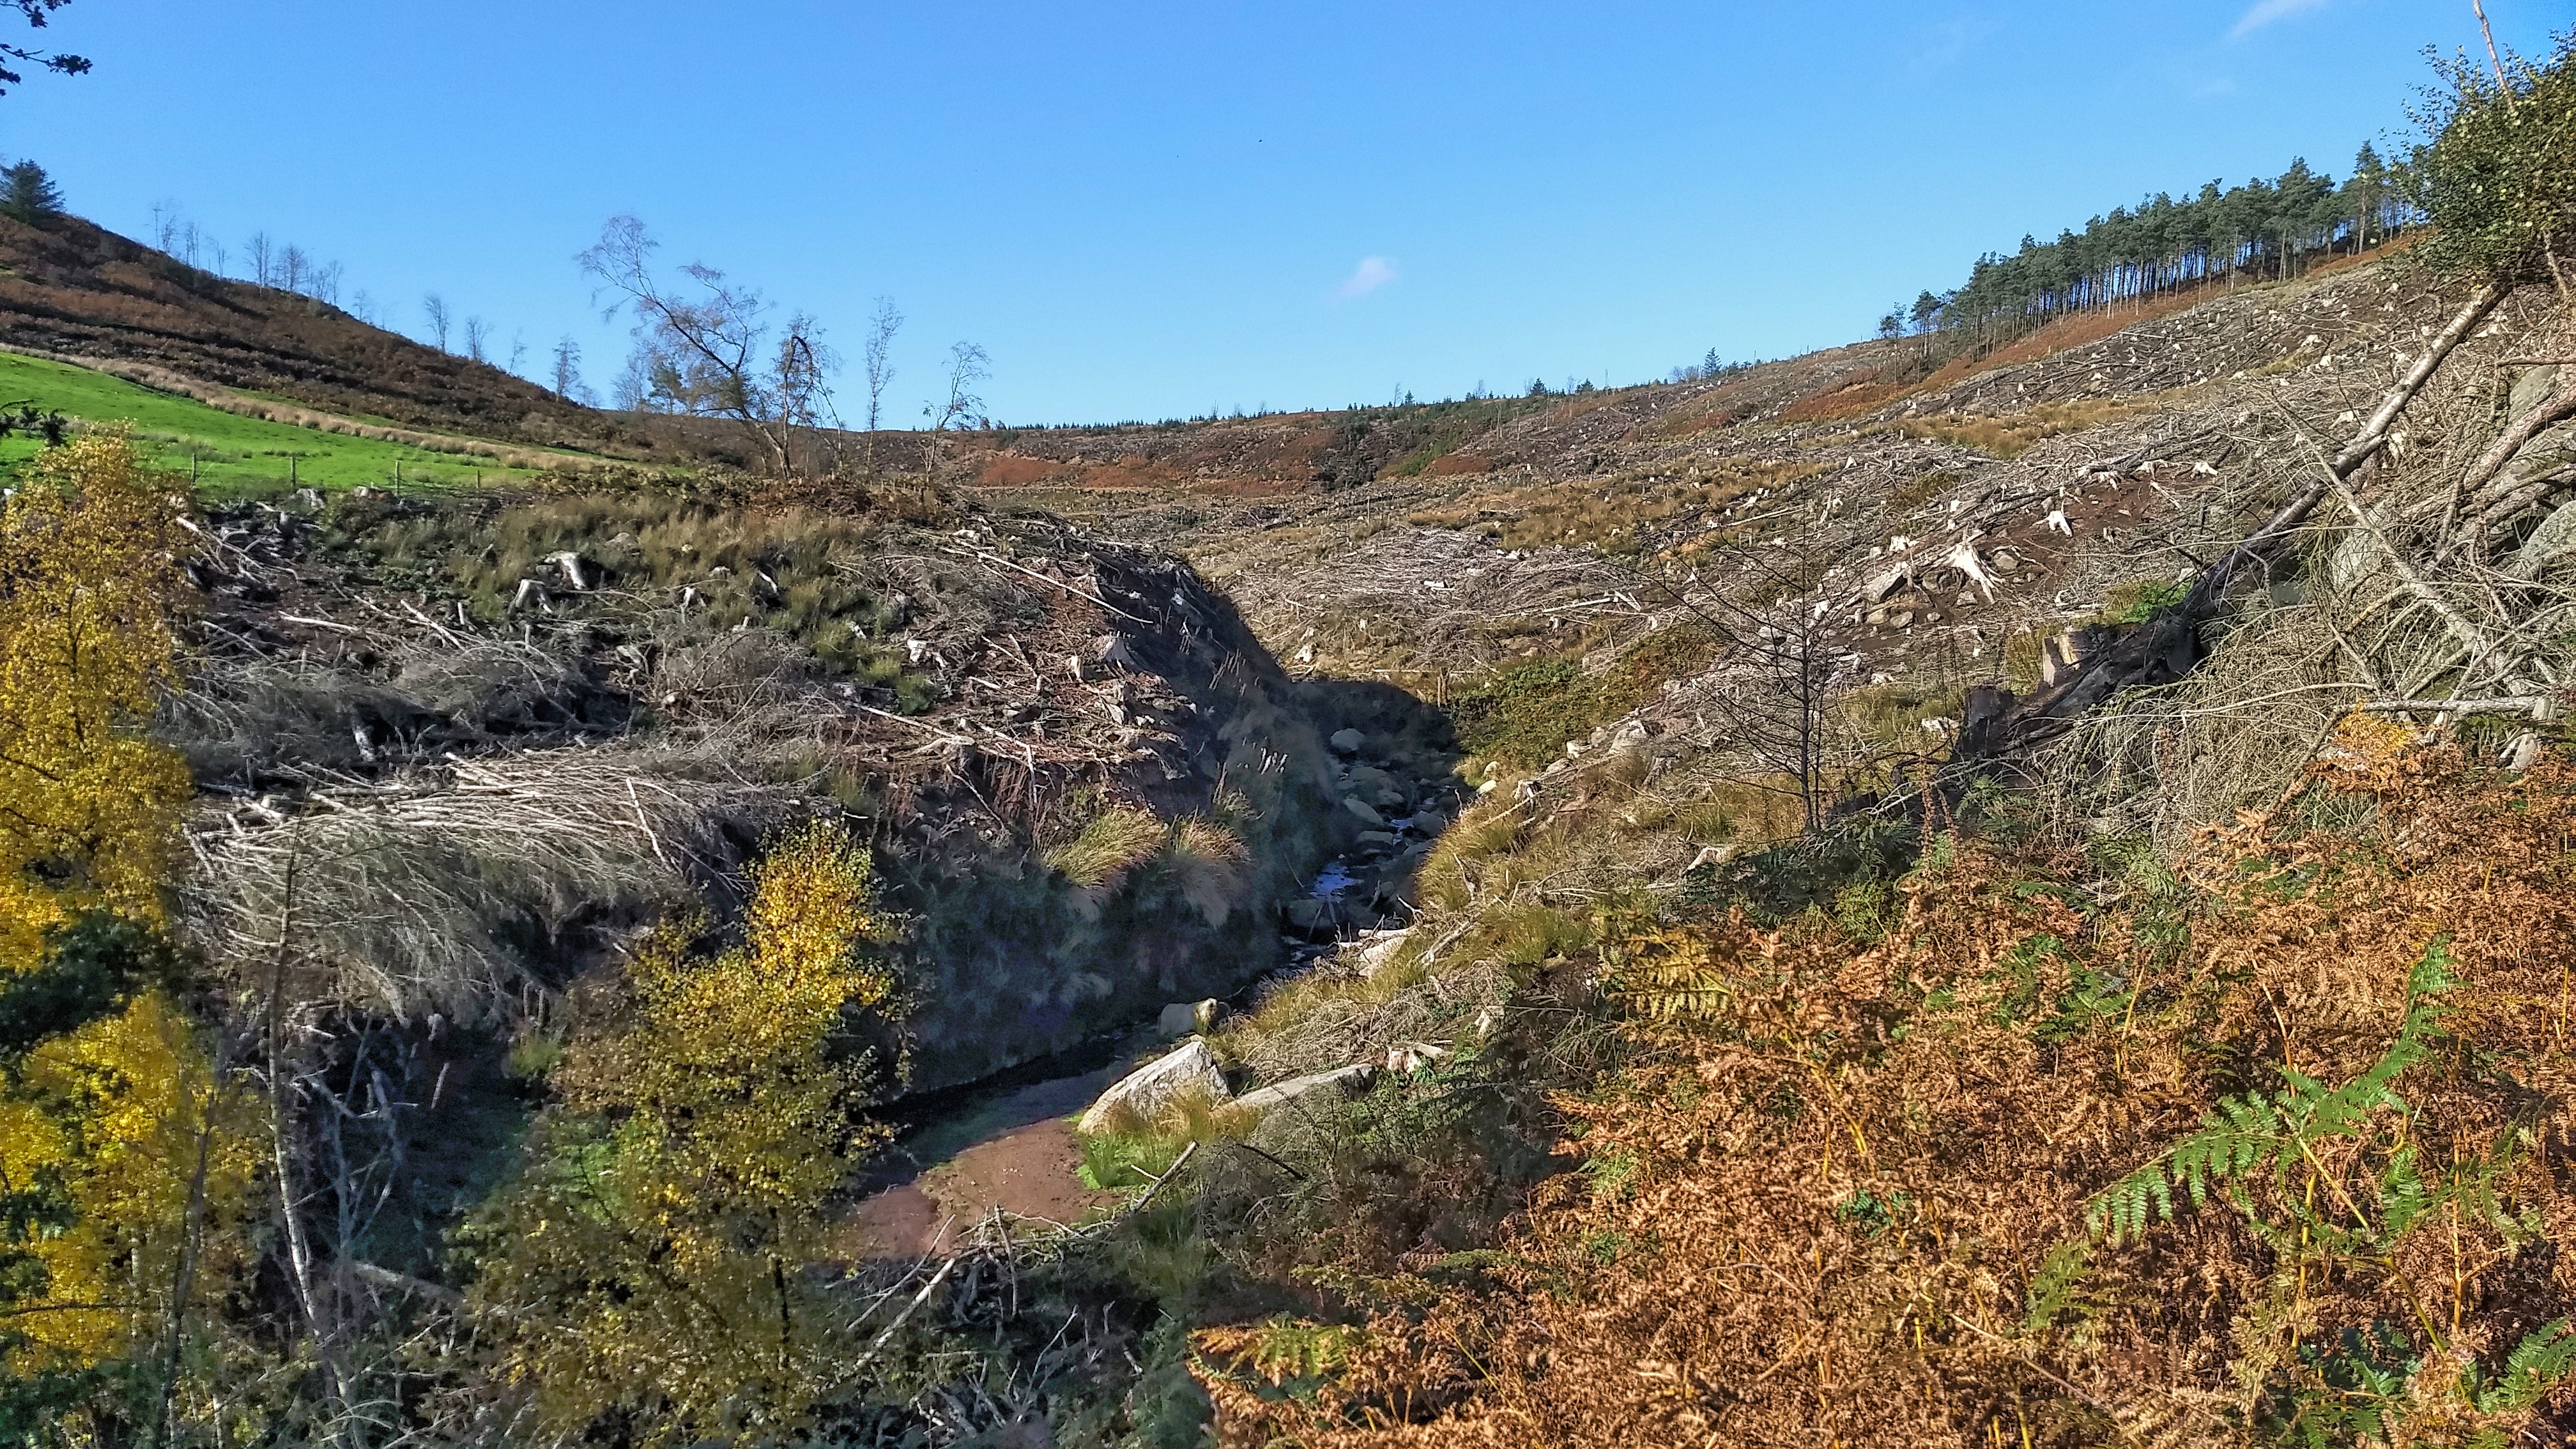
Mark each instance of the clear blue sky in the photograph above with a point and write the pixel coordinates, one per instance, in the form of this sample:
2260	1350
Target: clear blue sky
1148	210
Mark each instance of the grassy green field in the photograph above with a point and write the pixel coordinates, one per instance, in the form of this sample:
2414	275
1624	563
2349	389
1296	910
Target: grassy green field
225	453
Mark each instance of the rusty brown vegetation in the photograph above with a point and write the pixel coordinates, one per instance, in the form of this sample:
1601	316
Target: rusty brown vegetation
2271	1146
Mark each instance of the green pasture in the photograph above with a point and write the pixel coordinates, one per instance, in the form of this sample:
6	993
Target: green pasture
225	453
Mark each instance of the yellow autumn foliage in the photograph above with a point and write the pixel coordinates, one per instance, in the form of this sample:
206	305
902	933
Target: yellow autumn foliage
88	579
111	1125
653	1259
115	1134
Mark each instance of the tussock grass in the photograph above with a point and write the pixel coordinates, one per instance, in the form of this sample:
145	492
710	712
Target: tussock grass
2009	435
1207	863
1133	1151
1611	513
1114	842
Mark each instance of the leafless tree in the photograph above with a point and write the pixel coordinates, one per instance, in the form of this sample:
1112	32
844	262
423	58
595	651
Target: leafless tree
633	390
294	269
710	354
263	258
434	308
567	377
518	353
968	368
878	356
477	332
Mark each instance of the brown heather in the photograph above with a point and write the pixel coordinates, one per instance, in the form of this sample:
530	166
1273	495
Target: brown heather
1849	1192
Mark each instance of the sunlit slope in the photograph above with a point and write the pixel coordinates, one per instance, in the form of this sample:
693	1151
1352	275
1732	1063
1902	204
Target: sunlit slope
224	452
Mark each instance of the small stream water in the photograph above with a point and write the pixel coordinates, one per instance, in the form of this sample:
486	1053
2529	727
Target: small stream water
1006	1140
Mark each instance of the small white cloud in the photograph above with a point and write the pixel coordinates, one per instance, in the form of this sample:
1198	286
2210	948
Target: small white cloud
1945	44
1371	274
2267	11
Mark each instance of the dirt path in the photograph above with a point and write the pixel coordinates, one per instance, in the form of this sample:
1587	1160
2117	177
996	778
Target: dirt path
1016	1152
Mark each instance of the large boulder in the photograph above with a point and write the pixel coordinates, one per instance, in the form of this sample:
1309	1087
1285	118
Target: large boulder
1151	1090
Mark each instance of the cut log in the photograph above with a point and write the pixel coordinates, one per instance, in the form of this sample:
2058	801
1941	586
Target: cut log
570	563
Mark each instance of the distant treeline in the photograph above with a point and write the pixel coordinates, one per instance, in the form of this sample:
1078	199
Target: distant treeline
2262	229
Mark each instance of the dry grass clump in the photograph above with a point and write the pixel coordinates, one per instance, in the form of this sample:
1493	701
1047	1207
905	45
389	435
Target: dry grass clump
2009	435
448	890
1208	865
2262	1150
1114	842
1321	1022
254	721
1615	513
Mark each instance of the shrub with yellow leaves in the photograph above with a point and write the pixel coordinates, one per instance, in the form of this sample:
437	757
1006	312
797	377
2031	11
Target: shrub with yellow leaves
119	1145
123	1151
653	1261
88	580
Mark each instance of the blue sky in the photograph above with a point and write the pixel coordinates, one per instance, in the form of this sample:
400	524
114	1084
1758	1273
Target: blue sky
1151	210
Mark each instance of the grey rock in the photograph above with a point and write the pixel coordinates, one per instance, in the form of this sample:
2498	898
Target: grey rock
1309	913
1374	949
1340	1081
1376	840
1152	1088
1367	814
1369	780
1346	742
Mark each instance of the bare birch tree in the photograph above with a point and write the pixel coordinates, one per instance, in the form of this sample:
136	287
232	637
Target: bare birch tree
877	357
711	353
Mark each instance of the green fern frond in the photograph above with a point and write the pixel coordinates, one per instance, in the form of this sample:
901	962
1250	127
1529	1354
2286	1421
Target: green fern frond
2533	1368
2055	1289
2245	1135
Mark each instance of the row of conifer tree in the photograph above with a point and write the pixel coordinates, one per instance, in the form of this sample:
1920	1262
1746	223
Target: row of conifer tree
2261	229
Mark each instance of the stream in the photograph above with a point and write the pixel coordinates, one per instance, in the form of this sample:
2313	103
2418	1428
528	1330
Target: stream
1007	1140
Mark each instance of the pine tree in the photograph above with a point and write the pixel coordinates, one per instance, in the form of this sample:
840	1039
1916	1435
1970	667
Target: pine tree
29	195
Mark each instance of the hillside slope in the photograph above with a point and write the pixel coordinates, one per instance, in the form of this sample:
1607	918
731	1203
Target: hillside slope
76	289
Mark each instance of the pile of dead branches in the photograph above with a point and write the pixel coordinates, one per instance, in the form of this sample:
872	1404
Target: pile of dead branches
442	889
